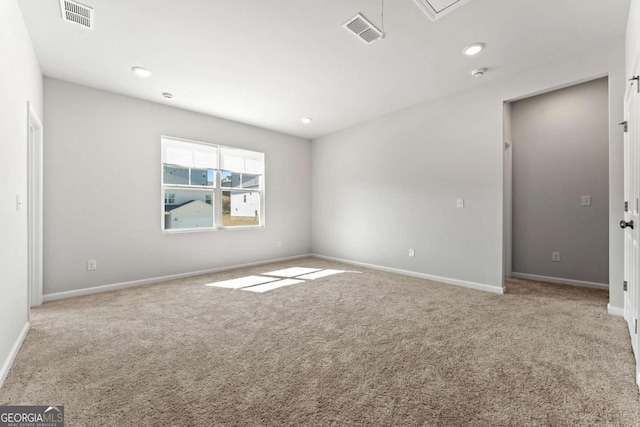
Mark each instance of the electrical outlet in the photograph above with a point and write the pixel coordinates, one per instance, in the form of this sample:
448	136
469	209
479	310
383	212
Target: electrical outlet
279	244
555	256
92	264
412	253
586	201
460	203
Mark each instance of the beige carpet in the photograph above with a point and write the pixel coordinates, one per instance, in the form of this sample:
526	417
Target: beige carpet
373	349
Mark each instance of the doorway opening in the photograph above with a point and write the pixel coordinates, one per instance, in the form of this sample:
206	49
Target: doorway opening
556	186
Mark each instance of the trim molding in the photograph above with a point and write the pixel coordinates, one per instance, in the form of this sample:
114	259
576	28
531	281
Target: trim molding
561	281
133	283
446	280
6	367
615	311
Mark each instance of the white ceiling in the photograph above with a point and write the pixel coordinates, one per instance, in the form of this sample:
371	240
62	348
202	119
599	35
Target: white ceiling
271	62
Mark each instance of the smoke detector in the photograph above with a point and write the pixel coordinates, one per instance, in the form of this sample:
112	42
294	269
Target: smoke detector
436	9
77	13
478	72
364	30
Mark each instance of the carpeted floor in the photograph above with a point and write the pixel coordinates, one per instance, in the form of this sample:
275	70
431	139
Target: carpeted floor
373	349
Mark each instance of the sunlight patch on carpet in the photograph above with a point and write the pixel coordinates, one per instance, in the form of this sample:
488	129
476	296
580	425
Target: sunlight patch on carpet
273	285
320	274
292	272
261	284
242	282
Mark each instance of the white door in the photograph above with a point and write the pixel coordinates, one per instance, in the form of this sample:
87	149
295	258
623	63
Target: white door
631	222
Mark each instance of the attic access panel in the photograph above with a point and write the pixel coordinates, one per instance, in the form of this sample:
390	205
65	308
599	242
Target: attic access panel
436	9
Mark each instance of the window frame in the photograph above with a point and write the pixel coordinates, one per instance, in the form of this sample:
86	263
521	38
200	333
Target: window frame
216	190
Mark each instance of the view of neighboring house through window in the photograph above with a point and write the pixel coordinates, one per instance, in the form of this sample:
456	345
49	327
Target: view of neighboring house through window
240	182
207	186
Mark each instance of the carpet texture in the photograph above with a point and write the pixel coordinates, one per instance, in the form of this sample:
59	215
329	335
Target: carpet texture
370	349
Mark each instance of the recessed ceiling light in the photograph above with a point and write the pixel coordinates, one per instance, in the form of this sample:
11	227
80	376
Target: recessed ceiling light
167	95
478	72
306	120
141	72
473	49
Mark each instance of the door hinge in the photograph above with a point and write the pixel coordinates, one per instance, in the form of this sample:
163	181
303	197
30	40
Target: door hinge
626	206
637	80
636	326
624	285
625	124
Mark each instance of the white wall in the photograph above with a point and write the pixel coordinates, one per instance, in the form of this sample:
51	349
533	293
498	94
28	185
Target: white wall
560	153
102	197
632	37
391	184
20	82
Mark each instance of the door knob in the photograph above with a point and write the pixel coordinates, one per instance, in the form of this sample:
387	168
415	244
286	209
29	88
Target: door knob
626	224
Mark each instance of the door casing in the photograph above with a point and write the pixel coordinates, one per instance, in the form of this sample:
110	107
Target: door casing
34	207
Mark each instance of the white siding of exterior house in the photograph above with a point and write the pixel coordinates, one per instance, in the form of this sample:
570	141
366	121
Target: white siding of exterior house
245	204
192	215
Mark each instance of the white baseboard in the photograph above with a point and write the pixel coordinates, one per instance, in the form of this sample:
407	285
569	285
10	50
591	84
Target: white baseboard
615	311
6	367
133	283
560	281
448	281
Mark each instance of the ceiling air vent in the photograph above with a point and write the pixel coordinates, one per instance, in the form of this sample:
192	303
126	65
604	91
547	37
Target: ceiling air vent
363	29
77	13
436	9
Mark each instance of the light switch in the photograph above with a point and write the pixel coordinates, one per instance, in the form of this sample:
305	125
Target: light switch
460	203
586	200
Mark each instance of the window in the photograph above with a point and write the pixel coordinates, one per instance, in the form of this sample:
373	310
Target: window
208	186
